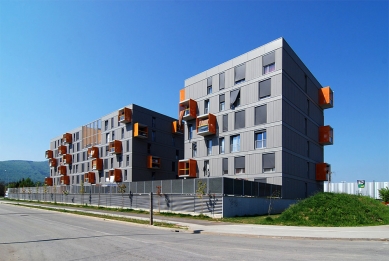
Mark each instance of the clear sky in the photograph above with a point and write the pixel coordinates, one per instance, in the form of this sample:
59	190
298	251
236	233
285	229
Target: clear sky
64	64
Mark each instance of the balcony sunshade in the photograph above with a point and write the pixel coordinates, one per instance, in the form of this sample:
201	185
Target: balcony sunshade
268	59
264	88
225	164
239	163
268	161
240	72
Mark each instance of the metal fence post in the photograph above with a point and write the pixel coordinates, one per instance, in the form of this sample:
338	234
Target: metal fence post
151	208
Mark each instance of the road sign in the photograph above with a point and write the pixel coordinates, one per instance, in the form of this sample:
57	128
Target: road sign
361	183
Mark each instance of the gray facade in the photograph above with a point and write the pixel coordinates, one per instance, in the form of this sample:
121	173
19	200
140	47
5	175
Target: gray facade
138	150
268	116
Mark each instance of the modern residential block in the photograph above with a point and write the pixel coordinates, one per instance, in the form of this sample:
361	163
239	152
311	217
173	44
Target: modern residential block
131	144
257	117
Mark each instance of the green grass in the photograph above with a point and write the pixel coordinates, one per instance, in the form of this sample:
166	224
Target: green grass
327	210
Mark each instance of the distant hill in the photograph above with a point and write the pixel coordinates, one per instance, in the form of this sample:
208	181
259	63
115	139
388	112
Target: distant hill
18	169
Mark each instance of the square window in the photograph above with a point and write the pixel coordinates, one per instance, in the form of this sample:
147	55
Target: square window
264	89
235	143
239	165
240	73
260	115
269	68
260	139
268	162
239	119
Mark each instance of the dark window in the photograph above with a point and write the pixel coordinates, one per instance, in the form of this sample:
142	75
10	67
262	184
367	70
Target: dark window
260	114
239	163
225	122
106	125
111	163
235	98
240	73
265	89
190	131
111	123
225	166
221	102
239	119
221	81
153	136
194	149
153	122
149	148
268	162
122	133
209	85
128	145
173	166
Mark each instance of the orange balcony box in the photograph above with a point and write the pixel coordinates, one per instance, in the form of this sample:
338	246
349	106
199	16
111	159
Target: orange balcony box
206	124
49	181
141	131
326	135
67	159
65	180
177	128
90	177
187	168
115	147
49	154
93	152
323	171
187	110
62	150
125	115
153	162
53	162
97	164
115	175
67	138
326	97
182	95
62	170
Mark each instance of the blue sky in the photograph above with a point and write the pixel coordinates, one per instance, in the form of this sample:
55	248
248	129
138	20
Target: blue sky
64	64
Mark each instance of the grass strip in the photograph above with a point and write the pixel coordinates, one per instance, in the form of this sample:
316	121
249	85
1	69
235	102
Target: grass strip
107	216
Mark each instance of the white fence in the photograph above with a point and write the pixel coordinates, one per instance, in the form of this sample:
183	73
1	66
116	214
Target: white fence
370	189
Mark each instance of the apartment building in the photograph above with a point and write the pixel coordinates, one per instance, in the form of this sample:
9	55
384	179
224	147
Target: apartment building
131	144
259	116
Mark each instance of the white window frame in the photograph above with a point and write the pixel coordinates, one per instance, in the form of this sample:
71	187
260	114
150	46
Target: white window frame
262	141
235	147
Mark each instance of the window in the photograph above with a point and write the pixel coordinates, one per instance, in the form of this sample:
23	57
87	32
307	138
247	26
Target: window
225	122
235	98
82	167
125	175
111	163
221	81
235	143
239	165
77	135
107	137
221	146
209	85
153	136
83	156
106	164
78	157
153	122
177	154
120	159
268	162
111	123
106	125
194	149
122	133
209	147
225	166
173	166
206	106
128	145
127	160
106	150
113	135
308	148
269	68
260	115
268	62
307	169
190	131
221	102
264	89
206	168
260	139
240	73
78	146
149	148
239	119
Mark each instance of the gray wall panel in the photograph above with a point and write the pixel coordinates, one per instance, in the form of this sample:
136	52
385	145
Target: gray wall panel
253	69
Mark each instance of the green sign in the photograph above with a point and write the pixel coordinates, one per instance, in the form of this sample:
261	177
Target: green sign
361	183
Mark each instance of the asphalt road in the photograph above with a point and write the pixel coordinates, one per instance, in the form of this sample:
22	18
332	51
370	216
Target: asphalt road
34	234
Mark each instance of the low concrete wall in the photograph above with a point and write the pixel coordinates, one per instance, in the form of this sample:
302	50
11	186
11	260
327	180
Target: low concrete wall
239	206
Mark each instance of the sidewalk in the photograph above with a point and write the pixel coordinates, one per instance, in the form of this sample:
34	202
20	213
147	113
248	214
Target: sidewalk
373	233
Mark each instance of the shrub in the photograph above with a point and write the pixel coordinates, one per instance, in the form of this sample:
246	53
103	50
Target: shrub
384	194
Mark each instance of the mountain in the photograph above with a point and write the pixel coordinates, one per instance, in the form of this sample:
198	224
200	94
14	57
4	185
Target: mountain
14	170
